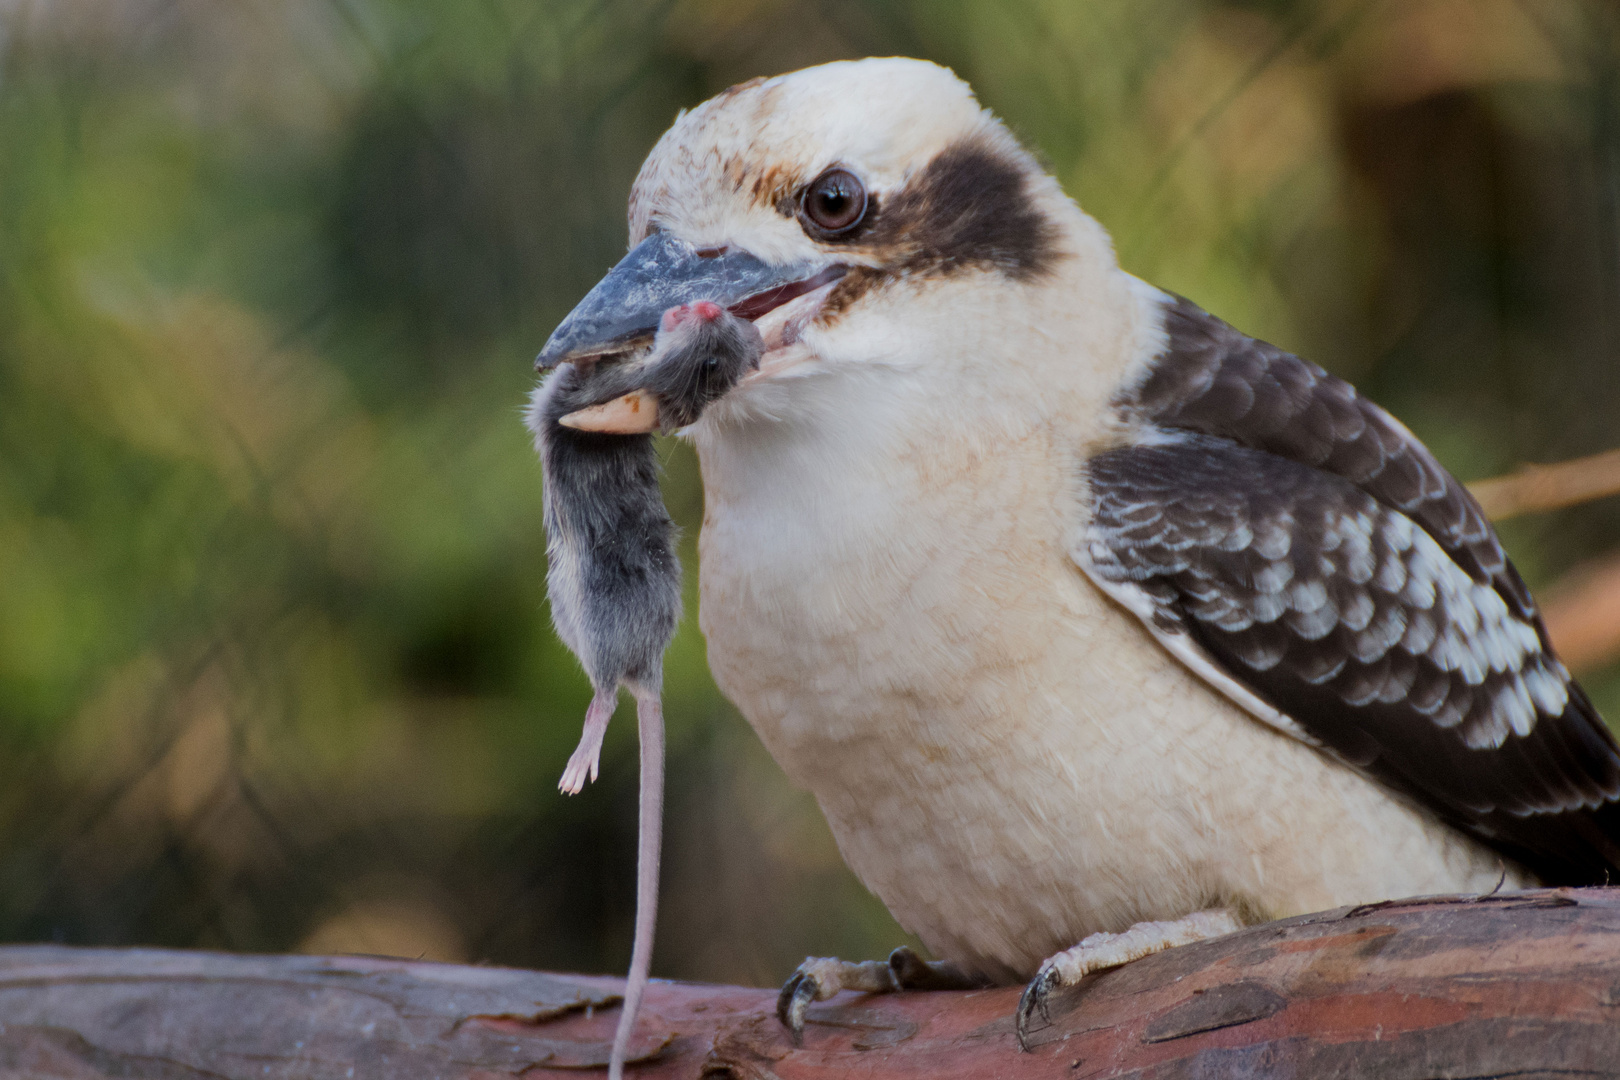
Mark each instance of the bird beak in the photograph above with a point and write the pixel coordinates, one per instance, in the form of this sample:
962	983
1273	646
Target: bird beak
661	272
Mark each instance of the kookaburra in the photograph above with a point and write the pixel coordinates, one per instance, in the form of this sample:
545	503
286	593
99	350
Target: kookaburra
1093	625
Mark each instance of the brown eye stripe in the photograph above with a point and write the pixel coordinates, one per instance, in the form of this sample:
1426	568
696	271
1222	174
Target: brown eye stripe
971	207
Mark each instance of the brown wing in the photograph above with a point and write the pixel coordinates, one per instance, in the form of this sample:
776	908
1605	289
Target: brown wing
1273	521
1215	380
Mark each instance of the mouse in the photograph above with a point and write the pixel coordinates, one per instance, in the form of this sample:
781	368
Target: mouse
613	576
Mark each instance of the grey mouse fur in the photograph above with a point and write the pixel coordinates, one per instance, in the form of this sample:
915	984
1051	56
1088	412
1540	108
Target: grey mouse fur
613	576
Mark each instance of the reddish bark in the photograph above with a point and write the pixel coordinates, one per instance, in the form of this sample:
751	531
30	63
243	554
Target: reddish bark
1521	984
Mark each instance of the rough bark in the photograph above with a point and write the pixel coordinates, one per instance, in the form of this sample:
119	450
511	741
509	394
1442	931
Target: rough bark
1518	984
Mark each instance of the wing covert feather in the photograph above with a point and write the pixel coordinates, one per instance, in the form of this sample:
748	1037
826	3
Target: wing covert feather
1268	518
1216	380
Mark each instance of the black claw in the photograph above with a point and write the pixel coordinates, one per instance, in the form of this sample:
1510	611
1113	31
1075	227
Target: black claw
1034	1000
803	995
797	994
907	969
784	999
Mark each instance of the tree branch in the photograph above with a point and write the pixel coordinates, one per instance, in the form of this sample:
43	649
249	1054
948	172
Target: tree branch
1582	610
1549	487
1515	984
1582	613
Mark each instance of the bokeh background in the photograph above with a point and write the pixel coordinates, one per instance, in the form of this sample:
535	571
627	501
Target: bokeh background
276	671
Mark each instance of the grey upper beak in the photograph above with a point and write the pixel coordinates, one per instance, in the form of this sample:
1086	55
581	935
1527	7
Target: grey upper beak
659	273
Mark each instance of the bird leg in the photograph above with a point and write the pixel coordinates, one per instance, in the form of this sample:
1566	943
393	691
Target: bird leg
650	714
587	755
1101	951
820	977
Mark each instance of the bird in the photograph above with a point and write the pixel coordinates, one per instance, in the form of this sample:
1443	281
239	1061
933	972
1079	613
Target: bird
1094	625
612	574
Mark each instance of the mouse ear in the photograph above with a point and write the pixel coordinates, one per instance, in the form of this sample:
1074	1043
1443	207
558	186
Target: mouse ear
636	413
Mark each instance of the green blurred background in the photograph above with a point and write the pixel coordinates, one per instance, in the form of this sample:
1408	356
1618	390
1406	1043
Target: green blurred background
276	671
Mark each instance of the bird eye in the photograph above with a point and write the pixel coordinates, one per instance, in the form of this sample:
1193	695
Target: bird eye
833	204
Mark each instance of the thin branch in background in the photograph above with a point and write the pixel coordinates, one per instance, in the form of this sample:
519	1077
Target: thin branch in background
1535	488
1582	613
1582	609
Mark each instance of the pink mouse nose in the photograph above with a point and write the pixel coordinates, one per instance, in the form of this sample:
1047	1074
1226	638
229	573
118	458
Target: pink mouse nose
699	311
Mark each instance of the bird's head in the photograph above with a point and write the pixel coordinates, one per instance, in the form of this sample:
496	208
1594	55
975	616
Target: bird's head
844	208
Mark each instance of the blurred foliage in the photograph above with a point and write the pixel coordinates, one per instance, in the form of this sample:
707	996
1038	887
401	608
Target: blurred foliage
275	666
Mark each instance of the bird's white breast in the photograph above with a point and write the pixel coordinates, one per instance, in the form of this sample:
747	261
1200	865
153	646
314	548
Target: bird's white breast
1005	757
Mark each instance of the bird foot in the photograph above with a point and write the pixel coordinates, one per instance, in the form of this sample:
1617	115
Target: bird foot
820	977
1100	951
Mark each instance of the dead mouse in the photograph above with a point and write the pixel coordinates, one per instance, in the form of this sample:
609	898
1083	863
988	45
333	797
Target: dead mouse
613	576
